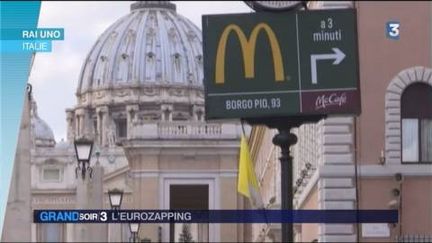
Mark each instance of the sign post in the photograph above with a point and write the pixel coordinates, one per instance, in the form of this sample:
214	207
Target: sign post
281	70
285	139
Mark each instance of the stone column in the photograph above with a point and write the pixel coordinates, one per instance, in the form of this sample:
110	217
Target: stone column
88	125
85	124
70	125
90	196
102	124
95	199
130	116
336	184
77	125
82	230
79	130
115	233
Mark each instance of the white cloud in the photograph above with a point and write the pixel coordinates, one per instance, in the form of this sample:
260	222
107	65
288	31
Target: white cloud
55	75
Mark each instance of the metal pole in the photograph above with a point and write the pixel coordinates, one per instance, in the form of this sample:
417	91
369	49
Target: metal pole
284	140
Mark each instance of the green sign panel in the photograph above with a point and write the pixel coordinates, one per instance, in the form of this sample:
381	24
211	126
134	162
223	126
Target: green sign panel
284	64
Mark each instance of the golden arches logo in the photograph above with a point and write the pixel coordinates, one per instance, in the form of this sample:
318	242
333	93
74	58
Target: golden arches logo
248	50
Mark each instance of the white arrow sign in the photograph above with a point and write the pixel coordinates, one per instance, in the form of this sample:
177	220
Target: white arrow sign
338	56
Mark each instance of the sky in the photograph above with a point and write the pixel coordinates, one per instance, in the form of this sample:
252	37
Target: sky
54	75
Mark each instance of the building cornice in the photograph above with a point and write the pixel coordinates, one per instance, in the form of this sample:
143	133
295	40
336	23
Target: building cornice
116	173
54	191
391	170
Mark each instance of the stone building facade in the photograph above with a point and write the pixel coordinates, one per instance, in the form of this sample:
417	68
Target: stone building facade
379	160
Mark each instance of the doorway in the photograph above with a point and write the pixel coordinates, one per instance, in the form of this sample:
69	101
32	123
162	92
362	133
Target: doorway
189	197
190	191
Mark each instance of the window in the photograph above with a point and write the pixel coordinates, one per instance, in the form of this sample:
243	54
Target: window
51	175
121	127
167	114
51	233
95	126
417	123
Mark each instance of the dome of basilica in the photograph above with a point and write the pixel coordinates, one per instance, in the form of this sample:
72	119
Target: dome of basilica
147	67
42	134
151	46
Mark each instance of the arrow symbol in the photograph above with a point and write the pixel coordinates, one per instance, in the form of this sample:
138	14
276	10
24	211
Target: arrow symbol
337	55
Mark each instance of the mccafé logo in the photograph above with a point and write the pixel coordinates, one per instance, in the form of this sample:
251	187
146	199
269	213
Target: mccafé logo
324	101
248	50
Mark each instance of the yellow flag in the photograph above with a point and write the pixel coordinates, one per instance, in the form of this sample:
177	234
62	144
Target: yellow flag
247	183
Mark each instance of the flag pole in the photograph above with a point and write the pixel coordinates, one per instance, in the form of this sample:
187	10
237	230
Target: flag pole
242	126
263	207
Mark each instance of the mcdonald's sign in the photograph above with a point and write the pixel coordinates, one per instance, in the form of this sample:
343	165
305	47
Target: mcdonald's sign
267	65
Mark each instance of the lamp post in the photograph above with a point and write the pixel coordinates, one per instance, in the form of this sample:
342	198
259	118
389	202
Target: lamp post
134	229
115	197
83	151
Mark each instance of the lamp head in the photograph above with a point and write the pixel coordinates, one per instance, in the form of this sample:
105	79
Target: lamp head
115	197
83	149
134	227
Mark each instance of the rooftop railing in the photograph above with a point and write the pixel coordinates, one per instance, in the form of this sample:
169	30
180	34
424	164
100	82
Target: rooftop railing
184	130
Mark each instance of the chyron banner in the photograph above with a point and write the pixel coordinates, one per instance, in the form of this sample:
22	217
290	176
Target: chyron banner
278	65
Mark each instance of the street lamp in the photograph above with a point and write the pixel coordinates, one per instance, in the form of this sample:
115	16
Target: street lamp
83	151
134	228
115	197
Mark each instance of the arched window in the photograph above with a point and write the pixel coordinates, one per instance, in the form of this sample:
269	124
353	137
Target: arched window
416	115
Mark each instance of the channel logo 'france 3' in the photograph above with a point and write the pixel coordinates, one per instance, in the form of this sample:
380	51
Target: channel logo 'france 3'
392	30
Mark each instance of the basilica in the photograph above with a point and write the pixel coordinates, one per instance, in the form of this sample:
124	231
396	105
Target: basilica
140	99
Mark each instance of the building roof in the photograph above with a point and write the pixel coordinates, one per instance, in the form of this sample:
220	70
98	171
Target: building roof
152	45
42	134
